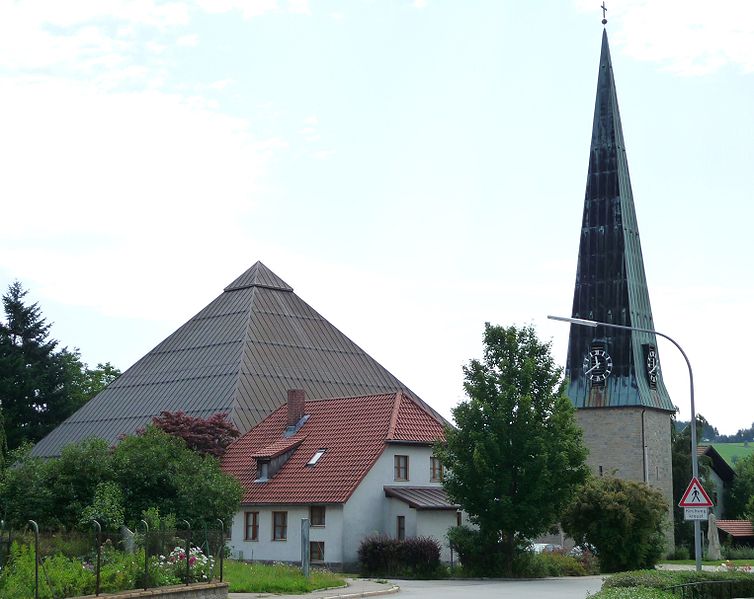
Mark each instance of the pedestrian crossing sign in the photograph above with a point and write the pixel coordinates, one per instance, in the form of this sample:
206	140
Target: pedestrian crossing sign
695	495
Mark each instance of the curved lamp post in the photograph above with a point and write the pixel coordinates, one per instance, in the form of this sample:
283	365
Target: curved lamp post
694	461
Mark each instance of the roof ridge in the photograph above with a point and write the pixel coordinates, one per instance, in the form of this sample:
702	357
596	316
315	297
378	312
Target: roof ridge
394	415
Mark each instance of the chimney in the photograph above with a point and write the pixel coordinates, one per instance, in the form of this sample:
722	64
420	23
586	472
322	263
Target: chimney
296	401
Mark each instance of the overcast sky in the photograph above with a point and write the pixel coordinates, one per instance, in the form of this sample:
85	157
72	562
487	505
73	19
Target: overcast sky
411	168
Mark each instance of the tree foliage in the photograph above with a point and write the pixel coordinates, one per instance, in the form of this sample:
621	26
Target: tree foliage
209	436
621	520
517	455
31	375
40	384
742	489
151	470
681	459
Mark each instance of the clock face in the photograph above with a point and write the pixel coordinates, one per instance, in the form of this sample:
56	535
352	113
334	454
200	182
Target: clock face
598	364
653	365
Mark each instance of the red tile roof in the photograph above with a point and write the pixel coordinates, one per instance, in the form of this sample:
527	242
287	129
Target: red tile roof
353	431
278	447
736	528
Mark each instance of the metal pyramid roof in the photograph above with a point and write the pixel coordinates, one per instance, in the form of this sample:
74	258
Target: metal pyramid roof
611	285
238	355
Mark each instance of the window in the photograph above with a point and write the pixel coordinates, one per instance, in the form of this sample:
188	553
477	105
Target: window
401	467
317	515
317	551
279	526
315	458
459	518
251	525
435	469
400	528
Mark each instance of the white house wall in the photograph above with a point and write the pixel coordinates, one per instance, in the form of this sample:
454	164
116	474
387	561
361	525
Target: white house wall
369	512
366	512
289	550
435	523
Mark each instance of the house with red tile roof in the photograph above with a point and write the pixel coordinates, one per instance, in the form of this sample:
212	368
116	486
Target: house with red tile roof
353	466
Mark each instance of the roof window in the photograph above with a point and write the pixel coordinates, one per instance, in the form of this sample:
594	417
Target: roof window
315	458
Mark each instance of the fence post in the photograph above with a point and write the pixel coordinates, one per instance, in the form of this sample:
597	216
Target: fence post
36	558
305	546
222	546
188	548
99	554
146	552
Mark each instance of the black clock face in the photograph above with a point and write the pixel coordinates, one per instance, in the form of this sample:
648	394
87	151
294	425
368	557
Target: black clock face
598	365
653	366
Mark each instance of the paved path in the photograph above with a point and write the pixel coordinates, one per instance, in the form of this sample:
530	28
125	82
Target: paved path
540	588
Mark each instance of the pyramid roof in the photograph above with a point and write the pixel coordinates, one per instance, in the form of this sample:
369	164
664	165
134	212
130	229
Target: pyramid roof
353	431
239	355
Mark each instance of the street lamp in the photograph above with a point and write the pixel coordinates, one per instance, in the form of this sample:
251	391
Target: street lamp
694	461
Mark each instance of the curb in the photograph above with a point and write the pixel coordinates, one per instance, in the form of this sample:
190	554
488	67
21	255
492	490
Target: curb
386	591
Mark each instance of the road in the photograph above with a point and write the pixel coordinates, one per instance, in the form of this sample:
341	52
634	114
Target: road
541	588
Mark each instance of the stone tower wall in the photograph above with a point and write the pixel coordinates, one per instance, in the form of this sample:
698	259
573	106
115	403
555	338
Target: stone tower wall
614	439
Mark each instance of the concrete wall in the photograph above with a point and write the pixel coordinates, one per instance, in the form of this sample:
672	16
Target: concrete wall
202	590
614	438
435	523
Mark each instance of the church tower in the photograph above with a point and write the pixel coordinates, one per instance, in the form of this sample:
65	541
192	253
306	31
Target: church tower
615	376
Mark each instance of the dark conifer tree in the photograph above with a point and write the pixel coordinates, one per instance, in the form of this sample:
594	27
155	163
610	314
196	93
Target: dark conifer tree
32	377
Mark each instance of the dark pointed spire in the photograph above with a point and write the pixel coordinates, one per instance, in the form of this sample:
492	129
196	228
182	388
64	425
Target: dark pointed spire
611	285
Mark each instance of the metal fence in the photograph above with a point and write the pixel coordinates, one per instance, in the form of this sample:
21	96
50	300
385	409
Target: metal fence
710	589
117	560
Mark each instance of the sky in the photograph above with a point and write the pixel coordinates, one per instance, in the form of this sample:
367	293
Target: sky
412	168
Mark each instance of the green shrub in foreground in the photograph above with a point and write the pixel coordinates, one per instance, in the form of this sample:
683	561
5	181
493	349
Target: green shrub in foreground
379	555
743	583
632	593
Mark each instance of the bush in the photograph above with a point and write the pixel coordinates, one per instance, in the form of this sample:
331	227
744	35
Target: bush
60	577
632	593
420	555
742	583
681	553
479	555
622	520
738	552
380	555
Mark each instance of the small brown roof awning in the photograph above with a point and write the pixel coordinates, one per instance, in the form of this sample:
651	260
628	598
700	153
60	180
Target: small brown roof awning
736	528
422	498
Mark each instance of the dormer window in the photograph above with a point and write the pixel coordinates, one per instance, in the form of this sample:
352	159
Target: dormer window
263	471
315	458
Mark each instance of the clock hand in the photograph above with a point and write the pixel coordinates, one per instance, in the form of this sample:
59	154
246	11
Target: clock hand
593	367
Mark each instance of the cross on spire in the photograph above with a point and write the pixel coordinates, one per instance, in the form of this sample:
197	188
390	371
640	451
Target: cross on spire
604	11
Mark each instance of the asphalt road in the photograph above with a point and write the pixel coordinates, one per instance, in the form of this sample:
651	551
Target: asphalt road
541	588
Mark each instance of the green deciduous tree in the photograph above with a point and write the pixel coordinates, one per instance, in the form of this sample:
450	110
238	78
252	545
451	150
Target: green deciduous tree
152	470
742	490
517	455
681	457
155	469
621	520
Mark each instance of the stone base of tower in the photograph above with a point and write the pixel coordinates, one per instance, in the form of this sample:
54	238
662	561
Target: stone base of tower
632	443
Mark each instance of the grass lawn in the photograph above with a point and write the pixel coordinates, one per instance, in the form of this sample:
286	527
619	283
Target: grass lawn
733	450
261	578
